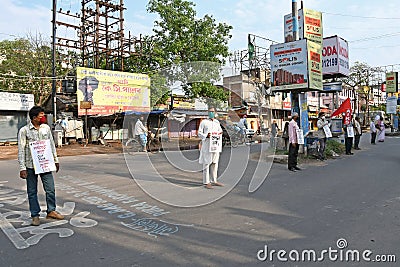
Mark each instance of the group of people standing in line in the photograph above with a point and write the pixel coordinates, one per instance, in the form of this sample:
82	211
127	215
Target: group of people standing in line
352	136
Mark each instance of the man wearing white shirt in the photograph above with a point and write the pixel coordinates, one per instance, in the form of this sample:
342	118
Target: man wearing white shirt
141	132
293	143
210	149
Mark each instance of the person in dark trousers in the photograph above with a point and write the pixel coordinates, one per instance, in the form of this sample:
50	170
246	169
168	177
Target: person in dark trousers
357	133
348	139
37	130
285	134
321	123
274	133
293	143
372	129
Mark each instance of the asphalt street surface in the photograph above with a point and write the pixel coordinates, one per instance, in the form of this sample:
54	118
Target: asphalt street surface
112	219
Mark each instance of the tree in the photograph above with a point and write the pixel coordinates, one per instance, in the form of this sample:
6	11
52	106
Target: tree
360	80
26	66
181	38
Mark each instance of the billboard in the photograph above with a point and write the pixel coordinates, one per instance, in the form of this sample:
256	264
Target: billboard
335	56
310	26
391	105
314	65
112	91
333	87
392	82
296	65
16	101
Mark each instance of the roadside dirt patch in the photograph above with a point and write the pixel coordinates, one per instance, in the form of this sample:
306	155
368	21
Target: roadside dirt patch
11	152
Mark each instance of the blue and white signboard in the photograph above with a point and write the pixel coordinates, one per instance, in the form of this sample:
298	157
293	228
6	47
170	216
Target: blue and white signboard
391	105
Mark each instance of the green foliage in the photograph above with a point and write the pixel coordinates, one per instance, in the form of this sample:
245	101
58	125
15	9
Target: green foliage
204	89
181	39
185	38
26	66
332	145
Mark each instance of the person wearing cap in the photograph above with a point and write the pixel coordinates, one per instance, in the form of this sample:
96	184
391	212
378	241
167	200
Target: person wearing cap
321	123
293	143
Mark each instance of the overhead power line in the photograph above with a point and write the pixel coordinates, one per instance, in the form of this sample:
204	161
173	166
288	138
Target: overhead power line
363	17
376	37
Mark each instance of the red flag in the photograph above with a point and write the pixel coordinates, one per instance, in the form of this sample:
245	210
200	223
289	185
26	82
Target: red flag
344	107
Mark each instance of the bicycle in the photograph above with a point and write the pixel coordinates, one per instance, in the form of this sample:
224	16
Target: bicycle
234	137
153	143
133	145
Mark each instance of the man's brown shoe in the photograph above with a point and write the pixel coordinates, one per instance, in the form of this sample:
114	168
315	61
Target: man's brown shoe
217	184
208	186
54	215
35	221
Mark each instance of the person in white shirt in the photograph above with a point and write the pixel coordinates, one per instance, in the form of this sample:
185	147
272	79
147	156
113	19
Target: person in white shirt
140	132
210	132
293	143
321	123
357	133
372	129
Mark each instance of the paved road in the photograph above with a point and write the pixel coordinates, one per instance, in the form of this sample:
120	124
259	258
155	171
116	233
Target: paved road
111	221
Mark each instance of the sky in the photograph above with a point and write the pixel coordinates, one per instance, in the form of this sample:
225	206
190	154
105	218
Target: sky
370	26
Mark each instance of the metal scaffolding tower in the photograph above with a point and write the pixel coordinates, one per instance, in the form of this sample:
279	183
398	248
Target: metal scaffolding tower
99	34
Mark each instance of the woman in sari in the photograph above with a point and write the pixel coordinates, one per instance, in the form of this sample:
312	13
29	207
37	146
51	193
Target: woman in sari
381	129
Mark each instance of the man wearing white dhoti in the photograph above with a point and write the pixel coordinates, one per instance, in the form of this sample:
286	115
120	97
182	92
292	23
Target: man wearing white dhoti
210	132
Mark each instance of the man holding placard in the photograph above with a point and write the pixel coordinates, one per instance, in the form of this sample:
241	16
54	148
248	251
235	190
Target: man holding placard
295	138
324	132
37	155
210	132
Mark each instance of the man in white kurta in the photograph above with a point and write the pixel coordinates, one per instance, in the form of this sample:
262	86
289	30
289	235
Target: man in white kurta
210	132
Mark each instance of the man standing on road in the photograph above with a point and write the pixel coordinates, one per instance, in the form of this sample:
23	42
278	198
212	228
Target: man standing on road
140	132
357	133
321	123
274	133
372	129
210	131
348	136
293	143
37	130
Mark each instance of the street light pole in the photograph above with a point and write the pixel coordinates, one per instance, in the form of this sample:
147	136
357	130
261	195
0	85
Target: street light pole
53	60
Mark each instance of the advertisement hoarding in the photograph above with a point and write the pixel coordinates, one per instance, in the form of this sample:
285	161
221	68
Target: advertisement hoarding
309	28
294	64
288	27
304	123
311	25
16	101
314	65
112	91
289	65
391	105
335	56
333	87
392	82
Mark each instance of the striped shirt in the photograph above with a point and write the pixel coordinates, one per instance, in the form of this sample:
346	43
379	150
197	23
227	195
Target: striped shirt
27	134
